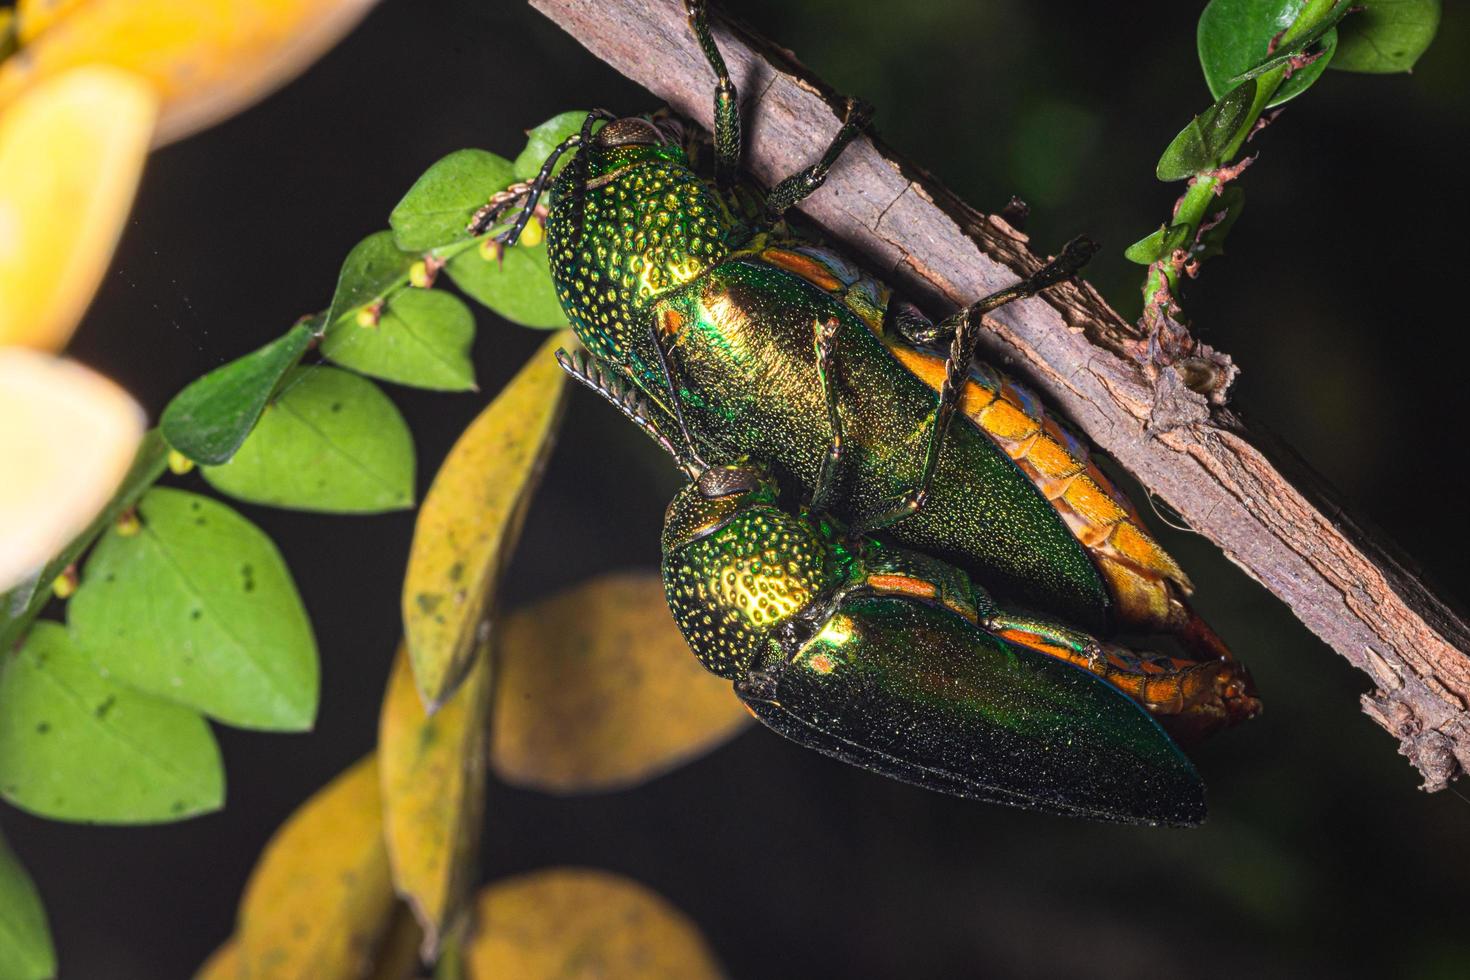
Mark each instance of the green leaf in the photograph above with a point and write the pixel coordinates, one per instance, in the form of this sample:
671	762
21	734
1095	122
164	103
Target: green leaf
1387	35
371	269
1234	36
74	745
1224	214
437	209
1161	243
517	285
422	339
1201	145
331	442
26	952
208	420
544	138
198	607
23	602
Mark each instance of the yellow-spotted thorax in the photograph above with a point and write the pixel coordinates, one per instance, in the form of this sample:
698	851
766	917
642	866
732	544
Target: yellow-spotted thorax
736	566
644	224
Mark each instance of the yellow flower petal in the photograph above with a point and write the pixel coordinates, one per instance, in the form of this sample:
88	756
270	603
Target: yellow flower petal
67	437
70	154
207	59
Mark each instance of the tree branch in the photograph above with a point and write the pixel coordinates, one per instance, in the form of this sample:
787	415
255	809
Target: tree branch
1240	488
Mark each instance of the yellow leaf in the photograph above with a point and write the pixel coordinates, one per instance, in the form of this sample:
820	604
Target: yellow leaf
470	520
207	59
320	897
596	690
434	771
223	963
67	437
580	924
398	956
70	154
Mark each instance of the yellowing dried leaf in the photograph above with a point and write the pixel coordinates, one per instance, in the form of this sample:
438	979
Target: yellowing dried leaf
207	59
596	690
398	955
67	437
223	963
71	151
320	897
434	770
470	519
580	924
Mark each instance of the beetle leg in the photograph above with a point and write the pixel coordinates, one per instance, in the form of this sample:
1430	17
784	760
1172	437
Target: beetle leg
727	109
626	399
824	341
957	369
801	184
676	402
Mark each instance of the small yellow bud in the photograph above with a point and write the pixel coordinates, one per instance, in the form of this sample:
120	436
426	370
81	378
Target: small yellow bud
128	524
533	233
418	275
178	463
65	584
490	250
369	315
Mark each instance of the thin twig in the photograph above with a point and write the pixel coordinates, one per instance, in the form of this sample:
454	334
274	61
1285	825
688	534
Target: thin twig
1239	487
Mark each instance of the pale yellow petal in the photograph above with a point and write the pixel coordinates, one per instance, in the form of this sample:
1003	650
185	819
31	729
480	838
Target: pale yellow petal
67	437
207	58
71	151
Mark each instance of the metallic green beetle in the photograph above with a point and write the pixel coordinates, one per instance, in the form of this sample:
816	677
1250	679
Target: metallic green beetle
894	661
768	345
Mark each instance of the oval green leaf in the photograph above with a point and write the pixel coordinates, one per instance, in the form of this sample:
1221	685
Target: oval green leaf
1387	35
332	441
422	339
1200	145
196	606
544	138
1161	243
517	285
209	419
26	951
437	209
1234	36
74	745
373	267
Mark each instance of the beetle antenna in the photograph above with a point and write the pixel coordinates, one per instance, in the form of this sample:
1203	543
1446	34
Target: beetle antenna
625	399
527	195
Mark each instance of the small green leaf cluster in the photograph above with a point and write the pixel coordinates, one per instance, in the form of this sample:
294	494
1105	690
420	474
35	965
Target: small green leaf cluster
1256	55
184	610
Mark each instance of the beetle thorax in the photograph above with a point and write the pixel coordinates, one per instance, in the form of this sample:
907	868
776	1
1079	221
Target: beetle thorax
649	227
731	587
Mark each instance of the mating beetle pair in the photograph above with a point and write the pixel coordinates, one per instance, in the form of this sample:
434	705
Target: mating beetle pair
728	335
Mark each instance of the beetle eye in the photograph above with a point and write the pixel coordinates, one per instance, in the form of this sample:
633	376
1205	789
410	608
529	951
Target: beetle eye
725	481
631	131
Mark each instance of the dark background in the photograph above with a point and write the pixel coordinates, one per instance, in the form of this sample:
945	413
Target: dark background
1339	299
